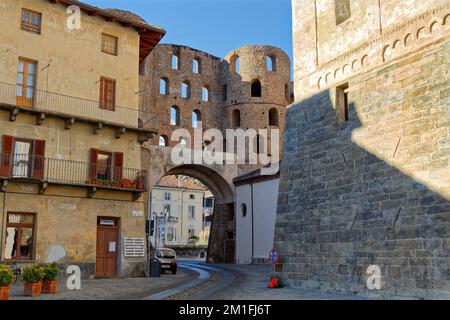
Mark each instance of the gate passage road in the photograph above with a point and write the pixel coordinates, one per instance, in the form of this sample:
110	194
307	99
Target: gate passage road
235	282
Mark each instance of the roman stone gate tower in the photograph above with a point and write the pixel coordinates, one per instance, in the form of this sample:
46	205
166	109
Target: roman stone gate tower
186	88
257	89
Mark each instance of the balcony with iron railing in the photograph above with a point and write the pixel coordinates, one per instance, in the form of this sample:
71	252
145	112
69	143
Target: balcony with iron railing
46	103
27	167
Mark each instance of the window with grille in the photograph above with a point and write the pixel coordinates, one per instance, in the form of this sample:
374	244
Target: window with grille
19	241
31	21
108	94
109	44
134	247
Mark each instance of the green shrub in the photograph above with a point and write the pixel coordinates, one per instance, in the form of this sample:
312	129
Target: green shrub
32	274
6	275
50	271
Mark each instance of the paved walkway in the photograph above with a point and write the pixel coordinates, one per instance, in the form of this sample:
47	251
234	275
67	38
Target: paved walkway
112	289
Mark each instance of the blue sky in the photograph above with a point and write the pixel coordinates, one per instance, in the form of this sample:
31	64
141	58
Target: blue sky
215	26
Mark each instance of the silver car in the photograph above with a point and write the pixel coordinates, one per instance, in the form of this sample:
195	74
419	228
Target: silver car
168	259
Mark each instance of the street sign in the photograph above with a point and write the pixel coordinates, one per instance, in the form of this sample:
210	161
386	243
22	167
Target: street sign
274	257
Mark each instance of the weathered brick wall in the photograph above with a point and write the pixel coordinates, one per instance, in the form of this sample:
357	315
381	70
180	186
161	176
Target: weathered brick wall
228	91
158	65
374	189
218	76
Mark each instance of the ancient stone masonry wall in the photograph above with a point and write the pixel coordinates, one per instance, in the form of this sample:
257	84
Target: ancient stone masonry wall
373	190
361	45
159	65
229	89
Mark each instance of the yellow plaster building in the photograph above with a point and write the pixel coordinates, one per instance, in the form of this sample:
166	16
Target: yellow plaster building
70	168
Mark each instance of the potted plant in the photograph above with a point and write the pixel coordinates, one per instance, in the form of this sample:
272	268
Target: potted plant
115	184
32	277
50	271
139	184
127	183
6	277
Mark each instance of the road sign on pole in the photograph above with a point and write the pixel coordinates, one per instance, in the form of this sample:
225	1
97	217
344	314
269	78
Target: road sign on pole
274	257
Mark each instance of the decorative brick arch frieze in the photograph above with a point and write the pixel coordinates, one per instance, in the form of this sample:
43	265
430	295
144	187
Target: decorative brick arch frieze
398	41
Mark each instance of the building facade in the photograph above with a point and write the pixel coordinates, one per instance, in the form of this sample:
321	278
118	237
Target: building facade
256	208
364	189
70	170
177	209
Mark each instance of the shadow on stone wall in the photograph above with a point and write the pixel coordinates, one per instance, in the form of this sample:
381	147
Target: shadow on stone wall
342	209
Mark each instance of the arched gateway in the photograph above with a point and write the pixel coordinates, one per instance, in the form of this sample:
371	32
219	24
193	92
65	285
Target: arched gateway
218	179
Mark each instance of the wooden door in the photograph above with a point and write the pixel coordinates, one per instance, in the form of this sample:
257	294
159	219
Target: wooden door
107	247
26	81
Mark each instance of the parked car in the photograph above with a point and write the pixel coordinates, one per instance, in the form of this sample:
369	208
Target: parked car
168	259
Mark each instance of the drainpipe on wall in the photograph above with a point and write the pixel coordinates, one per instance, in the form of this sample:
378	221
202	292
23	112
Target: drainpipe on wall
148	236
253	225
2	230
182	214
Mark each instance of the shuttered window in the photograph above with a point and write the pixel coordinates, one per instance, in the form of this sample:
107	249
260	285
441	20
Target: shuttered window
102	167
31	21
107	94
109	44
22	158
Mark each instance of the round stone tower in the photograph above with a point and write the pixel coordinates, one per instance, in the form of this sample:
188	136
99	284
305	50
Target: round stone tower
258	88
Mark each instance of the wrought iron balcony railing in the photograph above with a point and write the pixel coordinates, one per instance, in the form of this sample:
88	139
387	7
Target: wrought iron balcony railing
68	106
30	167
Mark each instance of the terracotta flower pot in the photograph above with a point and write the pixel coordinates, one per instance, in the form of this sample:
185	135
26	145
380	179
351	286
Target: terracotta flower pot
49	287
127	183
140	186
4	292
32	289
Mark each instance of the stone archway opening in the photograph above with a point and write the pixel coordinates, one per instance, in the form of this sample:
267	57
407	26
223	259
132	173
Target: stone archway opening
221	224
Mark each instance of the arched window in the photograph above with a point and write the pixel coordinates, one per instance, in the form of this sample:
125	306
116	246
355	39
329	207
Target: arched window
271	63
256	88
273	117
184	142
196	66
196	118
235	64
163	141
164	86
175	62
205	94
186	90
236	118
174	116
